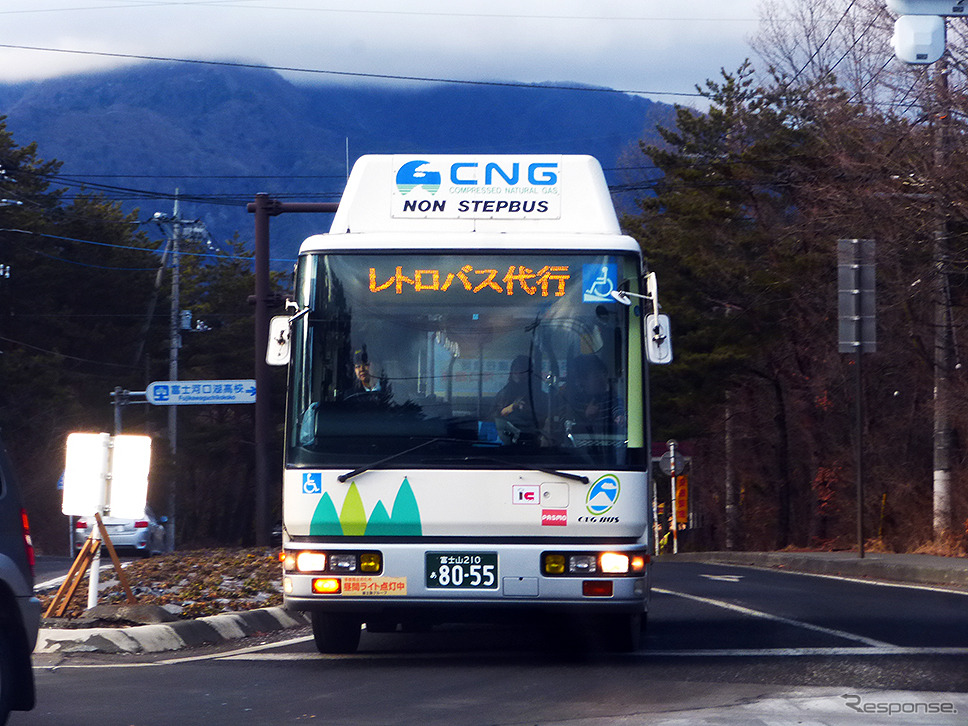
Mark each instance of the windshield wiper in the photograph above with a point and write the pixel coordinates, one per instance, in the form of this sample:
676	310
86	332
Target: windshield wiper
531	467
366	467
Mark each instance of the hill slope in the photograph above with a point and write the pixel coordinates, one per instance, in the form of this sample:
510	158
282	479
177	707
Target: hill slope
222	134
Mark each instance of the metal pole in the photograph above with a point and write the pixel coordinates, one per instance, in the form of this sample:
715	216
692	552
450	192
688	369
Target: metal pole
94	575
262	211
263	208
675	519
118	402
174	343
859	443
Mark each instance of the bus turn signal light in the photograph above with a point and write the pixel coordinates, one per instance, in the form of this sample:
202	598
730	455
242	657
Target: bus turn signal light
327	586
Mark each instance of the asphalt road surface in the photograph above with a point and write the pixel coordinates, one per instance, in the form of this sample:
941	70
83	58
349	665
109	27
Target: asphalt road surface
724	645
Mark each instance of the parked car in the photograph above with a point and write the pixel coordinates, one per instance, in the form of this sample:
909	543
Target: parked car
19	607
144	536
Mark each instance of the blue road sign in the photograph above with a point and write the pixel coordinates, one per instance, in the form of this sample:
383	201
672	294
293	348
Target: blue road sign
198	393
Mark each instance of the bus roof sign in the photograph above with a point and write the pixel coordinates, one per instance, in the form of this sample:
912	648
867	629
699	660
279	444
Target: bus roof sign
475	193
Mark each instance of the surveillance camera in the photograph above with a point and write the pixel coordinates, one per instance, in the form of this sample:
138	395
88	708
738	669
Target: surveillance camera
919	39
929	7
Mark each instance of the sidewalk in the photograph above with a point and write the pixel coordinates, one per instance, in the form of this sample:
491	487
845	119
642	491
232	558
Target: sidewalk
949	572
909	569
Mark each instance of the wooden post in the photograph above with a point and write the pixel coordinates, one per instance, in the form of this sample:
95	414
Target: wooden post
58	606
122	578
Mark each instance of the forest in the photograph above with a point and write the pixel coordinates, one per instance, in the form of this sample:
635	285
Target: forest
740	207
831	139
85	300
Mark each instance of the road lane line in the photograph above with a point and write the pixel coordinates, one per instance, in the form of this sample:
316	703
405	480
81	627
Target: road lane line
644	653
802	652
777	618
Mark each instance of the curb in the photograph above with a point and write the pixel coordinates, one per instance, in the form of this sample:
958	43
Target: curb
169	636
952	572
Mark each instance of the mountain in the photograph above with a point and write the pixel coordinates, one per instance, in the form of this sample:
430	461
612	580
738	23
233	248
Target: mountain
220	134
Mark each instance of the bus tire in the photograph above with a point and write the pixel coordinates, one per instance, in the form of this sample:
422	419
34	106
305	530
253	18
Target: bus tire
622	633
336	632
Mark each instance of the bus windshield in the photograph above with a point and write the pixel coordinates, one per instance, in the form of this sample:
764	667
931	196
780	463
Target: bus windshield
451	360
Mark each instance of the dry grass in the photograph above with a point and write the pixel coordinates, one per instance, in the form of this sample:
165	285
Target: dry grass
193	583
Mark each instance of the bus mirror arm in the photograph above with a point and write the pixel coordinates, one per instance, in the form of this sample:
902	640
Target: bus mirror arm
652	293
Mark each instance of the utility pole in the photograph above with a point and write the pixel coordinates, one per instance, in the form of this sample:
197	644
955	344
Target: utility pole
176	230
920	39
943	336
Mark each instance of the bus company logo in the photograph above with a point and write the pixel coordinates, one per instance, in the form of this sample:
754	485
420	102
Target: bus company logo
410	176
526	494
554	517
603	494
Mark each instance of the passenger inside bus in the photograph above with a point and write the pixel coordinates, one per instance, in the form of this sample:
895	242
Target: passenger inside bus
520	407
588	403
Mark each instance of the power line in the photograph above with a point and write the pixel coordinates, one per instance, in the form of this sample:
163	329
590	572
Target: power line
822	44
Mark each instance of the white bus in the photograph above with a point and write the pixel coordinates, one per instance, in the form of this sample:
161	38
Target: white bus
468	418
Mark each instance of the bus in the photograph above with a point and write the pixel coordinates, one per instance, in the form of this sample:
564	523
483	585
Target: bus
467	428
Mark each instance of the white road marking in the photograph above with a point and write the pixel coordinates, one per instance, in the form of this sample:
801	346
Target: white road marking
723	578
777	618
644	654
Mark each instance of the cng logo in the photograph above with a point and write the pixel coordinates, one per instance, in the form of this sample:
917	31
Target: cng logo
603	494
410	176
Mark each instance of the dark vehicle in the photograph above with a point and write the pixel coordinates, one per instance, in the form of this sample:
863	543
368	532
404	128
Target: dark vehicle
19	608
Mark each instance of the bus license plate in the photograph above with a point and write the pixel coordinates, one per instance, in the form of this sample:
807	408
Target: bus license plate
462	570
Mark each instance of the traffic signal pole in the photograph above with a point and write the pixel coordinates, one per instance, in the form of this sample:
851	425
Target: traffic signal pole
265	207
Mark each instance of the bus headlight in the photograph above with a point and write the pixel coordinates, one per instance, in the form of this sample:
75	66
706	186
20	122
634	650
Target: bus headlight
579	564
335	563
614	563
311	561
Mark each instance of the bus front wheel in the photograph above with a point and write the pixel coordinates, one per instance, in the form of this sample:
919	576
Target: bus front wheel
336	632
622	633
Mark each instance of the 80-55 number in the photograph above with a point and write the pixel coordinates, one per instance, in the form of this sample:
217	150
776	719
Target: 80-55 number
462	571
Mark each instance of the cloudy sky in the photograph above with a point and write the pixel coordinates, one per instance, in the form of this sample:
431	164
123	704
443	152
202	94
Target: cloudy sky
655	47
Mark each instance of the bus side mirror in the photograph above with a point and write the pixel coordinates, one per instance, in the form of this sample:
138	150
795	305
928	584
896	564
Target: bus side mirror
658	336
280	332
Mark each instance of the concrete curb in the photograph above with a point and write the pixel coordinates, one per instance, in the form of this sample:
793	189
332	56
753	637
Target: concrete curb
169	636
910	569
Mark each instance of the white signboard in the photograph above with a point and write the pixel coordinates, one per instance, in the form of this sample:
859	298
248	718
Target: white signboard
106	473
477	187
188	393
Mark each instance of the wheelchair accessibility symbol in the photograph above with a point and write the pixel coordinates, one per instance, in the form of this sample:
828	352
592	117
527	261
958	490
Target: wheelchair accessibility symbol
312	483
599	282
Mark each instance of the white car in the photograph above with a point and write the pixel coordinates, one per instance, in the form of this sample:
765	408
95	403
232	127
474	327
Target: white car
145	535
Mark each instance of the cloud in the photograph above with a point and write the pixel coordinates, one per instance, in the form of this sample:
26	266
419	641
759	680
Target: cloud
640	45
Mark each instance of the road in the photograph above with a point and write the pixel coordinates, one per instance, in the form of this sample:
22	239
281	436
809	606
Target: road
725	645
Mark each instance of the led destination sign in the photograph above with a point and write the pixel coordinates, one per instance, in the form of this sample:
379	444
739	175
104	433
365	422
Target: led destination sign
548	280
